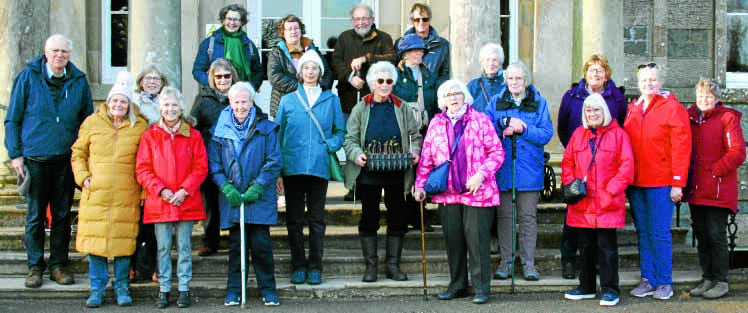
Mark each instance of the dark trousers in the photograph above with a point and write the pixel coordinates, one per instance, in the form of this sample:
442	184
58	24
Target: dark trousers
143	261
257	241
394	201
598	245
212	222
709	227
310	192
52	184
569	242
467	236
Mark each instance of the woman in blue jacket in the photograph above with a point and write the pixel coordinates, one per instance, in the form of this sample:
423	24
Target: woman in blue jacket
245	161
519	110
491	79
306	167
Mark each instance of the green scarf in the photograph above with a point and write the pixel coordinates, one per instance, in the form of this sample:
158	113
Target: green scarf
234	52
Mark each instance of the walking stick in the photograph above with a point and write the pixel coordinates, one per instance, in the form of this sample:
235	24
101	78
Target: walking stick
514	205
243	254
423	257
358	91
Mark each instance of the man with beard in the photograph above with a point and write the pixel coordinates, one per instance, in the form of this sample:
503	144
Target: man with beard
355	51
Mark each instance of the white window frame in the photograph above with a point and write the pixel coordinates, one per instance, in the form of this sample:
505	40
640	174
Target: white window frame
108	72
736	80
513	31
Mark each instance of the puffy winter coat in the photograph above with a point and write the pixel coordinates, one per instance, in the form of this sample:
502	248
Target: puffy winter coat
406	87
258	162
357	125
375	46
661	141
717	152
34	124
304	152
570	112
208	106
437	57
483	151
613	170
148	108
110	207
173	162
203	60
493	85
282	72
533	110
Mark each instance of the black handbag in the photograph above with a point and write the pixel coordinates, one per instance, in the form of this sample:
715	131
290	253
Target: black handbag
577	189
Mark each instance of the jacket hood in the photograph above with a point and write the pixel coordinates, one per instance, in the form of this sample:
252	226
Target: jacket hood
579	90
719	108
369	99
39	65
431	41
528	104
306	43
260	123
322	96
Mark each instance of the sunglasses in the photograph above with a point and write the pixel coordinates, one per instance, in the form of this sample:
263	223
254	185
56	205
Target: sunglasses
648	65
420	19
381	81
222	76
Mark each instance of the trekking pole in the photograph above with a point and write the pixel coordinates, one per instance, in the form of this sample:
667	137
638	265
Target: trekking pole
243	254
423	257
514	206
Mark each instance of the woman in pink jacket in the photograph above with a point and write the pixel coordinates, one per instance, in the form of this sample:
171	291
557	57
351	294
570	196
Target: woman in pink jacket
466	208
599	152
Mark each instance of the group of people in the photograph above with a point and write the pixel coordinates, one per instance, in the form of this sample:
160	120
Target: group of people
148	170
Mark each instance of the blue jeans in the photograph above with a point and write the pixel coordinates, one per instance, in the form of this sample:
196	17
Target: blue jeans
164	232
98	272
652	211
257	240
53	185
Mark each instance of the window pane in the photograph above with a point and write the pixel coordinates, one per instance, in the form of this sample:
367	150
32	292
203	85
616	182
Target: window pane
119	39
337	8
333	28
737	42
118	5
281	8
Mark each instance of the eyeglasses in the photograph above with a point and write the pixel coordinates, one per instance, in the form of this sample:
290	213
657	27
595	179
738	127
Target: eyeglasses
381	81
360	19
233	19
222	76
596	70
56	51
648	65
452	94
292	29
421	19
152	78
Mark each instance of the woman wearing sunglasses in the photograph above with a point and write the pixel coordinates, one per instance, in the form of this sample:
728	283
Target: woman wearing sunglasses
394	126
661	140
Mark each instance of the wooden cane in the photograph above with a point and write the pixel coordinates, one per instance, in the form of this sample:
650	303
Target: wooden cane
423	257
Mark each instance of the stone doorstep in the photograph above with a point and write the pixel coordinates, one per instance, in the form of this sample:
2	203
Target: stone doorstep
213	288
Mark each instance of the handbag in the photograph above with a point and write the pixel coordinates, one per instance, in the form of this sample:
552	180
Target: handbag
336	173
577	189
438	178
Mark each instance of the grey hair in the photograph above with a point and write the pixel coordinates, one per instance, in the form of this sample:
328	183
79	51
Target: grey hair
489	49
379	68
362	6
707	84
150	68
452	85
519	65
68	42
242	87
171	92
421	7
596	100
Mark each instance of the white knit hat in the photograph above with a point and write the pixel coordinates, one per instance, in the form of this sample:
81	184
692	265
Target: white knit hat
122	86
310	55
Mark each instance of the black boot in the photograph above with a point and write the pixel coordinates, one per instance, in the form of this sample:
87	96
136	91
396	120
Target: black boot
163	300
369	249
394	251
568	271
184	299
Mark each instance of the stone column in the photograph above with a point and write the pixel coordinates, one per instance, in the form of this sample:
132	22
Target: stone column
20	42
68	17
154	37
472	23
600	26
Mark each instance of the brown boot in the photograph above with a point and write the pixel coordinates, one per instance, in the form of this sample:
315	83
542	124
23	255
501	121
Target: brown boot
61	276
34	279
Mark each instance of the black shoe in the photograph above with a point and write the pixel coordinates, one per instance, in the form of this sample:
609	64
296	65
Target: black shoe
348	196
184	299
452	294
163	300
568	271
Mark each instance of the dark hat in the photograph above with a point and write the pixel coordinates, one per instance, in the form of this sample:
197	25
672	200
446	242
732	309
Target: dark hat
23	184
410	42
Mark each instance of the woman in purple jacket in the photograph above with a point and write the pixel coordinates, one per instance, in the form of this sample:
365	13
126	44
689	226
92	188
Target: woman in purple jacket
596	80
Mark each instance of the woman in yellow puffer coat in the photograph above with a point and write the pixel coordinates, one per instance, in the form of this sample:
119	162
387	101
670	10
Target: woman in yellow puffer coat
104	165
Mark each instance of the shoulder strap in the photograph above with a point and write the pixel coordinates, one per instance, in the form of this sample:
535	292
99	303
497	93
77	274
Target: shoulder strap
483	90
211	43
594	152
308	110
454	145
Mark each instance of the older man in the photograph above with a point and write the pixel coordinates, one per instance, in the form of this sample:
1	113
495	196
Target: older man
49	101
437	58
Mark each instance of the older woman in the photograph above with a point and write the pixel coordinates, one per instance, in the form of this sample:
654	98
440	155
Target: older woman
305	163
172	163
209	103
394	121
284	59
104	166
712	190
599	151
231	43
245	161
148	86
597	73
466	208
520	111
491	80
662	148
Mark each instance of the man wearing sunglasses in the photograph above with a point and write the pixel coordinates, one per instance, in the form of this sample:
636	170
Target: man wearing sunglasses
437	58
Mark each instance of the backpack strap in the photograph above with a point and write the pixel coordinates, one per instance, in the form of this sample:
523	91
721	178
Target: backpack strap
211	43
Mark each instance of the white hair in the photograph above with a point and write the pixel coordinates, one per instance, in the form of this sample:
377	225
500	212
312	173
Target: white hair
491	48
60	37
380	68
452	85
242	87
595	100
522	67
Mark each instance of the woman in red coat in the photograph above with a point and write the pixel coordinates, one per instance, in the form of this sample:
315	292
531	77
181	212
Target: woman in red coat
171	165
599	152
712	189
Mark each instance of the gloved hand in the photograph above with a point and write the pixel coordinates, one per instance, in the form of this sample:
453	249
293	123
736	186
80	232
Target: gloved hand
253	193
232	195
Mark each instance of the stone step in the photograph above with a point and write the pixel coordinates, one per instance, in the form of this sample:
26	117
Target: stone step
346	237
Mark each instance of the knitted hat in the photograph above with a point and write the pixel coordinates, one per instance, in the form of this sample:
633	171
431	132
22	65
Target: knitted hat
310	55
122	86
410	42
